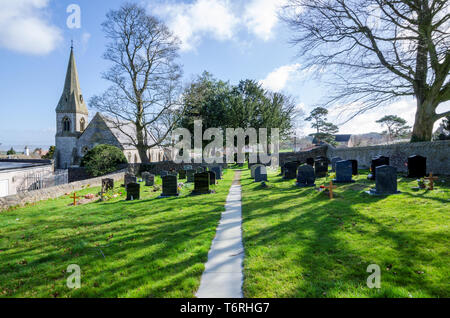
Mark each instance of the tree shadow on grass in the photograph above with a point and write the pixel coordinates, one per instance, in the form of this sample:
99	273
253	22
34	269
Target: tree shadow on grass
317	236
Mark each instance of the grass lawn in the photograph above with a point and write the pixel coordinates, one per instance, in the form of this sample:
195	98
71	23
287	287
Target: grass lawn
298	243
147	248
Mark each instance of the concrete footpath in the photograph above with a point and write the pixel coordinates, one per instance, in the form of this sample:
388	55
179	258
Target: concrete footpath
223	275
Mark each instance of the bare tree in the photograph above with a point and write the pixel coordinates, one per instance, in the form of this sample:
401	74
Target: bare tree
375	51
145	77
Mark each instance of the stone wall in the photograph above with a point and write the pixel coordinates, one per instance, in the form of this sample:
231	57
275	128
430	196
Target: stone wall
54	192
156	167
302	156
436	152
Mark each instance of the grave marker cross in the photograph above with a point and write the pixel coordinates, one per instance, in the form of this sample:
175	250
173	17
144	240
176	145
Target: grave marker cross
75	198
431	179
330	188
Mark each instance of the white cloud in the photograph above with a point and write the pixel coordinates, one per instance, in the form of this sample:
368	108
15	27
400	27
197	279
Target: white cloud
25	28
261	17
190	22
278	79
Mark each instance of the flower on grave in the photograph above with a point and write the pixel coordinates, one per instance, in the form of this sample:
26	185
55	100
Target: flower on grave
89	196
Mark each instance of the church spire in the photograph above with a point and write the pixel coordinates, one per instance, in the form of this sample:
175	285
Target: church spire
72	100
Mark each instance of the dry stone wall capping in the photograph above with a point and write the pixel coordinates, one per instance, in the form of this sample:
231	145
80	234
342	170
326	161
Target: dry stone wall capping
54	192
436	152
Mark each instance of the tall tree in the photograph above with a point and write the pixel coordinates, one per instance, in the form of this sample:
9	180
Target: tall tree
145	77
396	126
377	51
324	130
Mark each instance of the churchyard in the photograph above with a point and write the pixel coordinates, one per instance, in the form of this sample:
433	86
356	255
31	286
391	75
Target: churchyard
151	247
300	243
309	229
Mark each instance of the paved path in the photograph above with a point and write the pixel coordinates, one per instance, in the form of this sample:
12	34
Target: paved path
223	276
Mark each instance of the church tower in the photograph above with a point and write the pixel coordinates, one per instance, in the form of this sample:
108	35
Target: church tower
71	118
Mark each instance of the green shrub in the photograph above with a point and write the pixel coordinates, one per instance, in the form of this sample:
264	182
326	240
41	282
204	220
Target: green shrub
103	159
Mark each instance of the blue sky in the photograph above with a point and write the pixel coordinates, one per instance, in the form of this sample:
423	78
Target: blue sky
230	39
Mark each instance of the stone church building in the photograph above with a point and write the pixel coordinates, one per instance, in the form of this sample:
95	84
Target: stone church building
75	135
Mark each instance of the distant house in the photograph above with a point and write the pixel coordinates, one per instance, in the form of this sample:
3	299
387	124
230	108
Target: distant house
343	141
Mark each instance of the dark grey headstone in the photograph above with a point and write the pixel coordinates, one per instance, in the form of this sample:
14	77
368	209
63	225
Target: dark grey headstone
321	167
163	173
129	178
386	181
310	161
218	171
133	191
344	172
149	179
417	167
169	186
190	175
260	173
173	173
200	169
253	168
107	184
333	163
376	162
354	167
306	176
212	177
201	183
182	174
290	170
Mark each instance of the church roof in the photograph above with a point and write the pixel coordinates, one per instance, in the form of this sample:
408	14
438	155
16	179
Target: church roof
125	132
71	99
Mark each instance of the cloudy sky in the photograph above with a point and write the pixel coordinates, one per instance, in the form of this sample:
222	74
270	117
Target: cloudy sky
232	39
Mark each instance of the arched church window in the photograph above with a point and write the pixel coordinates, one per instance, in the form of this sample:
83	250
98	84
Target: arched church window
82	124
66	124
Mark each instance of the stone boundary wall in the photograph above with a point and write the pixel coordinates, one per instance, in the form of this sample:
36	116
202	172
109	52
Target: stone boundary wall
54	192
156	167
303	155
436	152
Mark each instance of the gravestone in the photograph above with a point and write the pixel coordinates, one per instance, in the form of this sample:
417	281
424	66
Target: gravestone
333	163
376	162
133	191
417	167
344	172
260	173
129	178
310	161
201	183
212	177
200	170
386	181
169	186
282	169
182	174
290	171
321	167
354	167
107	185
163	173
306	176
149	179
218	171
254	168
173	173
190	175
